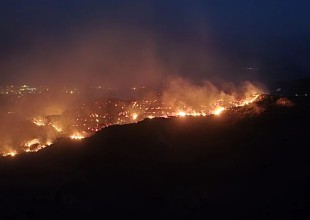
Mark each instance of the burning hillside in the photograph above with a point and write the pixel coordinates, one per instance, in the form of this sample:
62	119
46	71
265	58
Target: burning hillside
180	99
191	166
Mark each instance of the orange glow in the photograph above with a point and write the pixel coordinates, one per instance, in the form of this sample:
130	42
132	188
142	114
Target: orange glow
134	116
57	128
197	114
181	114
32	142
218	111
249	100
35	145
11	153
86	119
77	136
38	122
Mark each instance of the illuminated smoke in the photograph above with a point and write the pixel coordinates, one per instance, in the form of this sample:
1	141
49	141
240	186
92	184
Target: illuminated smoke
179	98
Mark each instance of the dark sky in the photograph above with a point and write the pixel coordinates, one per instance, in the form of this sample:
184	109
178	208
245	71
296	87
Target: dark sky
122	41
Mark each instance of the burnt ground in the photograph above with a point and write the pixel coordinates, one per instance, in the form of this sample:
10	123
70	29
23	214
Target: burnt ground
253	166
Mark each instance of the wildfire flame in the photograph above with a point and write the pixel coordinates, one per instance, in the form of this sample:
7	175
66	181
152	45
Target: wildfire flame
77	136
134	116
57	128
181	114
249	100
11	153
35	145
32	142
181	101
38	122
218	111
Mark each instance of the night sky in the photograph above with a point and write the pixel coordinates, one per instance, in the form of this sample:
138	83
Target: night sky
139	42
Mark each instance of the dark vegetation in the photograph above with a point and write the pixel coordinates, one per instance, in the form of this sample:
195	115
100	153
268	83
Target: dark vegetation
228	167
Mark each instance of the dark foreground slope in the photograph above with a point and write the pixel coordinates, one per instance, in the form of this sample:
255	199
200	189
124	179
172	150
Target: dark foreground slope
184	168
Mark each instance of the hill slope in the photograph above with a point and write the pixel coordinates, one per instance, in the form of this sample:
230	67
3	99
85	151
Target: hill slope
185	168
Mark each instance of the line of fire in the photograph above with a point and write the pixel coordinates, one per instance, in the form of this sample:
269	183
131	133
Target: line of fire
86	119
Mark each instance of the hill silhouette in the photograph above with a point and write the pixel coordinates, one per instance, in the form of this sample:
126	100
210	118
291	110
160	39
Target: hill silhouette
253	166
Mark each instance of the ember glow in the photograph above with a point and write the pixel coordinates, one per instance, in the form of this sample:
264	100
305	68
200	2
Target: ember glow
179	100
249	100
77	136
32	142
182	114
134	116
11	153
38	121
35	145
218	111
57	128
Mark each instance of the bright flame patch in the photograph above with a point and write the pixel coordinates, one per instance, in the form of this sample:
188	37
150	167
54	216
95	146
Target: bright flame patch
77	136
218	111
